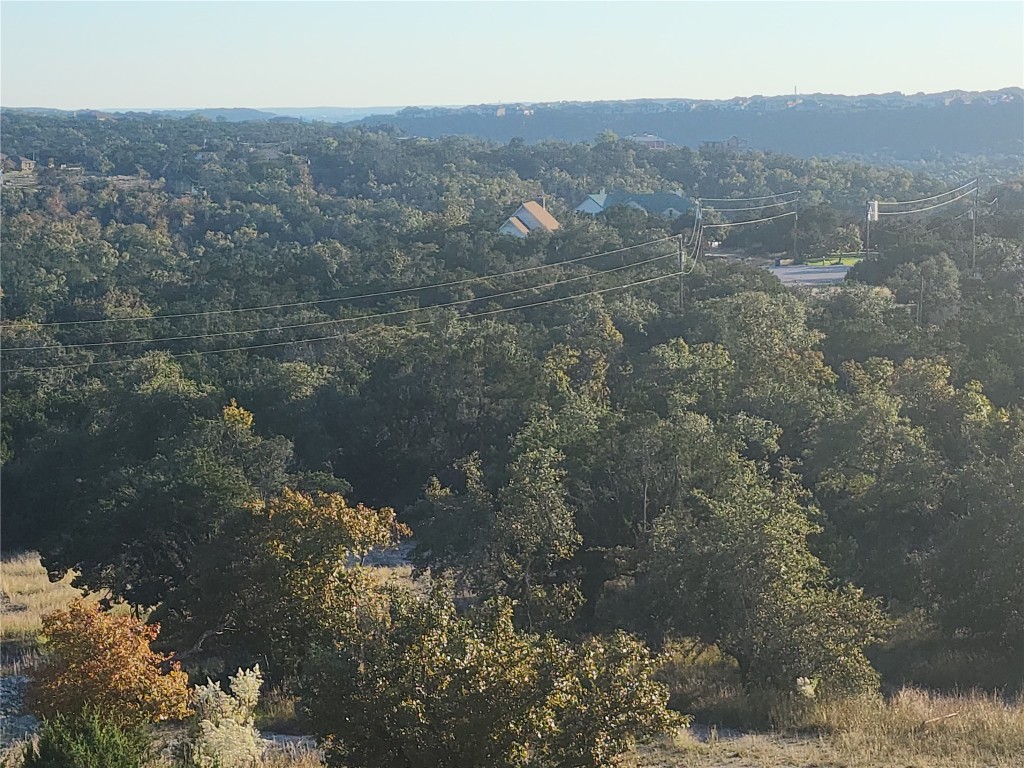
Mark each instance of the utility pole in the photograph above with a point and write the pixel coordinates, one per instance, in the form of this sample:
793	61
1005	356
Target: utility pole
681	265
974	230
872	216
796	217
920	301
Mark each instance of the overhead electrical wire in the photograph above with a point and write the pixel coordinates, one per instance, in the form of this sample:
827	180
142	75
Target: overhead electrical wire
945	222
700	226
377	294
470	316
342	320
751	221
930	207
696	222
695	240
757	207
696	252
928	199
747	199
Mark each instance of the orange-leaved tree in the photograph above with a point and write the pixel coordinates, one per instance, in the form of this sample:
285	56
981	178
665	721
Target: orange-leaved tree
103	661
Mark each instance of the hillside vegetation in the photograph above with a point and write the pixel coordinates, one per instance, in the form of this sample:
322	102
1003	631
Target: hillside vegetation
242	360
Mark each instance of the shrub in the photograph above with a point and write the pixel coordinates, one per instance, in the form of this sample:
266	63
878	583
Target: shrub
413	683
223	735
90	739
101	660
603	698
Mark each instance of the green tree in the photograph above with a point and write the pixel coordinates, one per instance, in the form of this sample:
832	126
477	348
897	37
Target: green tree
516	543
932	286
878	481
736	570
975	570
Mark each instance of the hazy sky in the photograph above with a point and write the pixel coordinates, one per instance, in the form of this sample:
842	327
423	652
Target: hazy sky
116	55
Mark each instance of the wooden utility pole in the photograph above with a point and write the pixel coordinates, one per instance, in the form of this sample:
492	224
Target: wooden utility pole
682	264
796	217
872	215
920	301
974	231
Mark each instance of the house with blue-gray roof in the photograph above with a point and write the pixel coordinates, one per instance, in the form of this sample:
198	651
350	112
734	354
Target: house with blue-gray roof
669	205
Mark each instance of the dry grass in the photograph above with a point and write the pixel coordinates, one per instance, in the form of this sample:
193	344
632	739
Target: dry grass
293	755
914	728
290	754
27	596
276	712
961	729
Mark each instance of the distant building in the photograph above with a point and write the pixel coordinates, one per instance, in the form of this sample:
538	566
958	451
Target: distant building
519	110
24	164
73	170
530	217
732	143
669	205
266	153
134	182
648	140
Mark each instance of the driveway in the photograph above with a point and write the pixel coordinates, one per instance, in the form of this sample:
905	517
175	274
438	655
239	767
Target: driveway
805	275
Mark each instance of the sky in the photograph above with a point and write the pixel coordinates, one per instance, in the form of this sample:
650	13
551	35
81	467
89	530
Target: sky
144	55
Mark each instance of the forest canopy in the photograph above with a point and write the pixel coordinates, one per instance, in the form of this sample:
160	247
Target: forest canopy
239	357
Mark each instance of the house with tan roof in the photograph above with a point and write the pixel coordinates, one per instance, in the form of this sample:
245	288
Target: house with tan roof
530	217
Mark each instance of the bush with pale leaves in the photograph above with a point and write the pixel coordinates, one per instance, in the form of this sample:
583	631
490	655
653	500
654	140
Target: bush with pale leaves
224	735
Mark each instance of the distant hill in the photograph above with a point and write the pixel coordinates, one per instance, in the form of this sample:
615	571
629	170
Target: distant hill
231	114
892	124
235	114
888	125
333	114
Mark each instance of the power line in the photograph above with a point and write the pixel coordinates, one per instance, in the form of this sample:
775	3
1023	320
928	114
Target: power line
693	262
318	323
697	245
247	347
752	221
758	207
927	199
928	208
696	221
378	294
747	199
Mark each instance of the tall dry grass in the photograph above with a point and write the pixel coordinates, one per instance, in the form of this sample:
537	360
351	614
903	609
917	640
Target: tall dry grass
293	755
970	728
913	728
27	596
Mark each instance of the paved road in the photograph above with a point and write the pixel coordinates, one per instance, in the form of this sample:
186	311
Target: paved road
804	275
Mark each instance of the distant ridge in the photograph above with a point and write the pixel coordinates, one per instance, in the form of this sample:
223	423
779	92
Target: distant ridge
888	125
233	114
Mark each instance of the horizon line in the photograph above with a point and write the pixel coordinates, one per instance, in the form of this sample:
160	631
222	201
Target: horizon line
519	101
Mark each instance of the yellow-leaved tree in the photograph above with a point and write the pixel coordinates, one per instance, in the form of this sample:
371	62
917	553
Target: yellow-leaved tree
310	546
103	661
294	559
